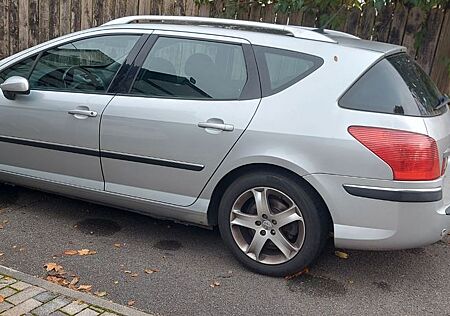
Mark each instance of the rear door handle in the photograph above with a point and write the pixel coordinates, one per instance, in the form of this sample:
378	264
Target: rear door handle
217	126
87	113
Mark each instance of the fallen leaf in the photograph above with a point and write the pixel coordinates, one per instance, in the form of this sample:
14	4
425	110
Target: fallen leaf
117	245
57	280
150	271
131	302
100	293
85	287
51	266
341	254
134	275
127	271
74	281
2	299
215	284
290	277
1	254
71	252
86	252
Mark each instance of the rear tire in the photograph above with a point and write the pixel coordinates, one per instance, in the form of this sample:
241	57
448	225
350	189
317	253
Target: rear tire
273	224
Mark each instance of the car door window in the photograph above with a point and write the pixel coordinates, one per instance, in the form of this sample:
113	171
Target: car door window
87	65
192	69
21	69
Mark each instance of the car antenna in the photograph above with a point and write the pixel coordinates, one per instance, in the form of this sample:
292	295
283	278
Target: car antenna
322	28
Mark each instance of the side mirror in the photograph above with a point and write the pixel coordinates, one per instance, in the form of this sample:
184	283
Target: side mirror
15	85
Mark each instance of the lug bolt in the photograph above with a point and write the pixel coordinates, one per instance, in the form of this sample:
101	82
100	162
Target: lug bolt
263	232
274	222
264	216
272	231
257	223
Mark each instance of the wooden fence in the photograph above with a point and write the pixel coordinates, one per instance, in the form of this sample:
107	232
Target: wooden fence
24	23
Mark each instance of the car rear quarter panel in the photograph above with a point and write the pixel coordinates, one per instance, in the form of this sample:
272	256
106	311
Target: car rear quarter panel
304	130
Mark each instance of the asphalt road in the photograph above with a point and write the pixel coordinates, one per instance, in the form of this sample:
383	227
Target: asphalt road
41	226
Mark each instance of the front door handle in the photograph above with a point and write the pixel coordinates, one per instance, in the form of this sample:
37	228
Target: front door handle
87	113
217	126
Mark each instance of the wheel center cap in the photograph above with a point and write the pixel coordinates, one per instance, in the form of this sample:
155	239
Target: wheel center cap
266	225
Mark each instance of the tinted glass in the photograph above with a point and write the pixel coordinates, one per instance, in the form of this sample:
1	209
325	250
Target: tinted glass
282	68
88	65
396	85
425	93
192	69
21	69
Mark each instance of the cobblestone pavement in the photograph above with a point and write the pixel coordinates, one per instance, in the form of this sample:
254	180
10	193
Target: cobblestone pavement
21	298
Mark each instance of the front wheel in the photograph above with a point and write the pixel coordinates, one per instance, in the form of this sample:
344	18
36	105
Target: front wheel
272	224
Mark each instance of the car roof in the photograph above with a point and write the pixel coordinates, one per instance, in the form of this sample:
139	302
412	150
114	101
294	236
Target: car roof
249	30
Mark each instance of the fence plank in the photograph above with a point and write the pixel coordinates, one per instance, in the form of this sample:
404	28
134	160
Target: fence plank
425	53
109	9
383	23
367	22
121	8
23	24
145	7
413	26
97	13
158	7
309	18
255	11
13	26
86	14
4	29
44	21
132	7
75	17
295	18
351	25
440	71
398	24
53	19
64	17
281	18
33	22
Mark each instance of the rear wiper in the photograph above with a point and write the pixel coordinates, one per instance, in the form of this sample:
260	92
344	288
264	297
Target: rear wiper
442	102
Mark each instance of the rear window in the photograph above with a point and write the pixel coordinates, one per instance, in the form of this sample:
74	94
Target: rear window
281	68
395	85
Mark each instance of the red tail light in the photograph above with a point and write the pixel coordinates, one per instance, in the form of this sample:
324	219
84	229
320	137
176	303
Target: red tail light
411	156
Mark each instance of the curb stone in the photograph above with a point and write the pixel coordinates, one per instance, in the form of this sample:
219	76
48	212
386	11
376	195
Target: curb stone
92	301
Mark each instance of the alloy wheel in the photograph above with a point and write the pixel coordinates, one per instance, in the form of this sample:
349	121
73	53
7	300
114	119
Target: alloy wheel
267	225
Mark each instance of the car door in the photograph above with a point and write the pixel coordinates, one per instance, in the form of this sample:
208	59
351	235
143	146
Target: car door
53	133
190	101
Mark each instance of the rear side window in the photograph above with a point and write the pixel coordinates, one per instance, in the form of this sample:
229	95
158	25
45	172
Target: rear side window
192	69
281	68
395	85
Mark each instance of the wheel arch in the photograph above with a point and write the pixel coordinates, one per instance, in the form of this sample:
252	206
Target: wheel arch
232	175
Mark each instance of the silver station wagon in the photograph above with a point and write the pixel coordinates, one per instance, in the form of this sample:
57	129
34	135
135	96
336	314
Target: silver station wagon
281	136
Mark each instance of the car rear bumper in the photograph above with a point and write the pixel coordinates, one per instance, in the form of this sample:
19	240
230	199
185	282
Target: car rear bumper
376	214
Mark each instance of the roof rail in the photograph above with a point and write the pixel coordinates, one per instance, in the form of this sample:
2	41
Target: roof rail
248	25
